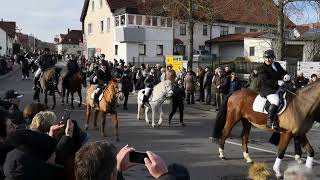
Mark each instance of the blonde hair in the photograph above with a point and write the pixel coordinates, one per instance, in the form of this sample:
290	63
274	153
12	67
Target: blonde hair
43	121
296	171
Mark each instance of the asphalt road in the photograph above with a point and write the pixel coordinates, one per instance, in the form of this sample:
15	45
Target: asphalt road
186	145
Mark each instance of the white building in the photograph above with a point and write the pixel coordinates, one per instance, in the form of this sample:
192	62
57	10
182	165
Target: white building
121	30
3	42
69	43
7	33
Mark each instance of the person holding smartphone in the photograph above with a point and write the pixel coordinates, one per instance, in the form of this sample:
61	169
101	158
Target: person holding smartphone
98	160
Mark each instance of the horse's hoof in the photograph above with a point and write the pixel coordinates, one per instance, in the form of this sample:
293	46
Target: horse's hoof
53	107
279	177
153	125
86	127
159	125
249	162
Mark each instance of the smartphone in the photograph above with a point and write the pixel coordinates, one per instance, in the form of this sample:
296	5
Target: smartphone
66	116
137	157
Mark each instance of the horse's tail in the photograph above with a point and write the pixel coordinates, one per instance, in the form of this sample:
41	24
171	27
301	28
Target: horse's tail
221	119
275	138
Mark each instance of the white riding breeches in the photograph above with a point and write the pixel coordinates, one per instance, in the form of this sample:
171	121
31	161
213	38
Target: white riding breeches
274	99
147	91
38	72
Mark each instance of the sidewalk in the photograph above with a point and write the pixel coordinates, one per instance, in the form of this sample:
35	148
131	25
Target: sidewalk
15	67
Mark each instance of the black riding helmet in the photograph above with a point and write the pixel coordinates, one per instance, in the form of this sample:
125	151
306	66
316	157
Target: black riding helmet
269	54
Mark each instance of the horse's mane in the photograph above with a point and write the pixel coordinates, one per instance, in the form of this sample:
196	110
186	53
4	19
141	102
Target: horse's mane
157	89
309	88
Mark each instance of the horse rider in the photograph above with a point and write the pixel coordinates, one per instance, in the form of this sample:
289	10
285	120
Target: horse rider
72	68
102	78
270	79
149	82
44	62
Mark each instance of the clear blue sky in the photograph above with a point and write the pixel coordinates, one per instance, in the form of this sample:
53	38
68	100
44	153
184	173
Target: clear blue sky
47	18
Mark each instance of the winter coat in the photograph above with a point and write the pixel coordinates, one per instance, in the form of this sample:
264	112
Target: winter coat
190	82
207	80
126	82
178	93
104	76
253	82
301	82
200	77
72	67
45	61
140	83
235	85
222	82
150	81
157	74
171	75
268	78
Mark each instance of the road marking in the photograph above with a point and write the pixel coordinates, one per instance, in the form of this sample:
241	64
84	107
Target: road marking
264	150
79	102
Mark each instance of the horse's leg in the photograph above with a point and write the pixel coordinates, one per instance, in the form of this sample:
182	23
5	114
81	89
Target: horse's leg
283	144
72	99
160	115
244	136
63	94
231	121
139	109
115	126
46	98
306	145
297	150
103	124
96	113
80	97
153	112
89	109
146	109
54	100
68	92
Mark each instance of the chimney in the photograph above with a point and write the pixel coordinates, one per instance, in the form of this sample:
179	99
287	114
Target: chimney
68	30
2	19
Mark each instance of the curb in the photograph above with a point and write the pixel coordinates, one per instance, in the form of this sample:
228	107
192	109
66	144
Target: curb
15	69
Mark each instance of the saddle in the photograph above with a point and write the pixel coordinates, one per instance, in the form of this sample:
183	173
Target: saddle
261	104
98	93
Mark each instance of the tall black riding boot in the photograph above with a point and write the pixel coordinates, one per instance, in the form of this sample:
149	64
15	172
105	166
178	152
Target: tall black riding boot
145	100
96	100
272	122
35	82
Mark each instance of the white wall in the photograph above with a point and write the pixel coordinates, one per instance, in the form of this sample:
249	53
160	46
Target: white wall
10	41
3	42
68	48
260	44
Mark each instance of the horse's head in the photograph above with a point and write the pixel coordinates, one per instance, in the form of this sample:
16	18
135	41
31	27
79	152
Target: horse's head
56	76
117	88
168	88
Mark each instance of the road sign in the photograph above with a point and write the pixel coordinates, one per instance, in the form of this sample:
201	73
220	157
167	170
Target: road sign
175	61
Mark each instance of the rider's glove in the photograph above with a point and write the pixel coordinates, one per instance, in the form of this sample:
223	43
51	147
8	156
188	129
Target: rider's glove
280	83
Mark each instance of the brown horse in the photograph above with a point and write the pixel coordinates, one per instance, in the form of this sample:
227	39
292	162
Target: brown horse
31	110
107	104
302	110
49	82
72	85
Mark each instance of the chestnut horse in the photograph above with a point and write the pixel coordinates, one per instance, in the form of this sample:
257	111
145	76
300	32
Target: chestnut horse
297	119
108	104
71	86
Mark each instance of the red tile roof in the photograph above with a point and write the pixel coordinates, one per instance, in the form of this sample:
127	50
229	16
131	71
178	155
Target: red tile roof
303	28
8	27
260	12
22	38
73	37
235	37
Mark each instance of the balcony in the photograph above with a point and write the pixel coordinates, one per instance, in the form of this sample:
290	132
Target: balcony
130	34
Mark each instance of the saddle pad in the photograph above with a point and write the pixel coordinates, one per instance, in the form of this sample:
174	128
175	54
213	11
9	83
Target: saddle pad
260	102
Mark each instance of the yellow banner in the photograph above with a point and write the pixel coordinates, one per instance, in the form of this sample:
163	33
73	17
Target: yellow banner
175	61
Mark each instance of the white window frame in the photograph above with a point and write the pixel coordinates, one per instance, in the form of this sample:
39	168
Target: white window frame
222	30
205	33
183	29
134	19
139	16
254	51
108	24
144	49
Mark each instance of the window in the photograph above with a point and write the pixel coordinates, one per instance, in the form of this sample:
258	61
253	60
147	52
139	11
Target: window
251	53
116	21
163	22
116	49
147	21
123	20
89	28
240	29
253	30
0	47
101	26
108	24
131	19
138	20
205	30
159	50
101	3
183	28
142	49
154	21
169	22
92	5
202	48
224	30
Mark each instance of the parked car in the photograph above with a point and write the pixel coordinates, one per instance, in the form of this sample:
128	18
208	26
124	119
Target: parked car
203	56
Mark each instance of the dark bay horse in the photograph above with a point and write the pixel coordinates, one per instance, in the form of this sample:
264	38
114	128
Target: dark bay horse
301	112
108	104
49	82
71	86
